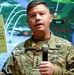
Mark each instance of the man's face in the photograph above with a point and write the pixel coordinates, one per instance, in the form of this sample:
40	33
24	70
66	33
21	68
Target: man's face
39	18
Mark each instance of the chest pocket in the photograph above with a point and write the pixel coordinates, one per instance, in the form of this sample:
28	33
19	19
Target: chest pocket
58	56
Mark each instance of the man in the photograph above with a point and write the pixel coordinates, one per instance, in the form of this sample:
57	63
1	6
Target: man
26	58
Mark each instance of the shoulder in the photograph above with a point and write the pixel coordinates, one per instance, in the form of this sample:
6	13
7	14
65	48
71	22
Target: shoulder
20	48
61	40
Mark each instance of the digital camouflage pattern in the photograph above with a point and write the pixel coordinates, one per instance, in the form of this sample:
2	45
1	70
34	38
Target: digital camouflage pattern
26	57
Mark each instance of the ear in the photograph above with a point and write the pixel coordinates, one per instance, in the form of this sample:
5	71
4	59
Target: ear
50	17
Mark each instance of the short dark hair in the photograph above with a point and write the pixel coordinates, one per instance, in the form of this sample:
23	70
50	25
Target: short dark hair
35	3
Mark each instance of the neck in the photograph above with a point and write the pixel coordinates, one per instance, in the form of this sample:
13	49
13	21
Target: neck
39	36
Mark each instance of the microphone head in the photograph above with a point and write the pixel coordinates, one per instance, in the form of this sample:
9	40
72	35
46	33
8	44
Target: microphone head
45	47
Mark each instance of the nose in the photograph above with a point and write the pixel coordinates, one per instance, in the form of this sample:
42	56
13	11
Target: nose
38	17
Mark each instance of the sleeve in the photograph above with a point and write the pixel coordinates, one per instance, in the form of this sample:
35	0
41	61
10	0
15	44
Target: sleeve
6	69
69	64
10	67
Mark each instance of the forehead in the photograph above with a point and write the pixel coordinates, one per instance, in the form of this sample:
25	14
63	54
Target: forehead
40	7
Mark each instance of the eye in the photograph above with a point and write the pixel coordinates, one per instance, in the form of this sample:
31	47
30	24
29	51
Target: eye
42	13
32	15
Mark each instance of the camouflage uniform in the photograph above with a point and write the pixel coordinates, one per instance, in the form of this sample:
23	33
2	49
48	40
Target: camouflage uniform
25	58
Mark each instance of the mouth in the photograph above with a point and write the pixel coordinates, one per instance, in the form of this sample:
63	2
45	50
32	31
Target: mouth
39	24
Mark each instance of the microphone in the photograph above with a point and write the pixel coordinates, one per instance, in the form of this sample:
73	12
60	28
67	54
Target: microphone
45	49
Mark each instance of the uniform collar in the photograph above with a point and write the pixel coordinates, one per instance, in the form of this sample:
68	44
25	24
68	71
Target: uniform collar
51	42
